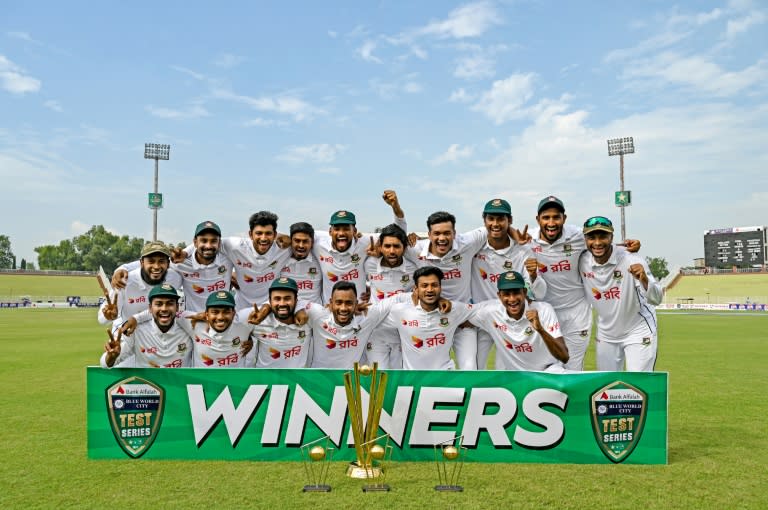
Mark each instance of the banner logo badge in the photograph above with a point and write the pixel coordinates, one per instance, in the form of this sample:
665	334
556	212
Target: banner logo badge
135	407
618	416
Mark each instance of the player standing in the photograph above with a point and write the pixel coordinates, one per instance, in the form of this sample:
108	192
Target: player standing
302	266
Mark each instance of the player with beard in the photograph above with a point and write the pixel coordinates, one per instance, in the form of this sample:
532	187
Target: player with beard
282	343
558	246
426	331
526	333
160	342
388	275
132	298
623	292
341	254
204	272
302	266
500	254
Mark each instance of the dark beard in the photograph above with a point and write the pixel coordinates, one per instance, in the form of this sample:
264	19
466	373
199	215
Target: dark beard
148	280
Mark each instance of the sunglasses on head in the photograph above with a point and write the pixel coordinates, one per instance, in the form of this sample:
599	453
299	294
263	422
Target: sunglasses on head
598	220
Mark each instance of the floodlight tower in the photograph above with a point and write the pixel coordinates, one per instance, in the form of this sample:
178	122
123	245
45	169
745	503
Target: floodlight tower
622	198
157	152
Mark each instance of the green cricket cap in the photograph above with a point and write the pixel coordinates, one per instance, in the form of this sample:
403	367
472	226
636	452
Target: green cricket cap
343	218
285	283
549	202
497	206
220	298
207	225
510	280
162	290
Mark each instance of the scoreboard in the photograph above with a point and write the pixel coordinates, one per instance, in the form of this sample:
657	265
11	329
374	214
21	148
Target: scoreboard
737	246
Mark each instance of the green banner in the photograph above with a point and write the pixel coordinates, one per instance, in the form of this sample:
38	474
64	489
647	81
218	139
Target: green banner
262	414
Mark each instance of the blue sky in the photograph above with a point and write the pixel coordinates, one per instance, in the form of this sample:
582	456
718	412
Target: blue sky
304	108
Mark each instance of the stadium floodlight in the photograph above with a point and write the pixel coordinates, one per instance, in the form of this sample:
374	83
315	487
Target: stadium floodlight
156	151
619	147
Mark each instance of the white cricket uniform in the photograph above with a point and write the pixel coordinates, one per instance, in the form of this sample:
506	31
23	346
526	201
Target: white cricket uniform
626	317
559	268
254	272
344	265
518	345
212	349
308	277
487	265
280	345
132	299
456	266
335	346
427	337
384	347
201	280
148	347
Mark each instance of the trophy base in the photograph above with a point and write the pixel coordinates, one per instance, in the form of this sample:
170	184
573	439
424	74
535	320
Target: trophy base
355	470
316	488
449	488
380	487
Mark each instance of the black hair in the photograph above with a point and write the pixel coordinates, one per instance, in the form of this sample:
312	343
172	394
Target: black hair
393	230
302	228
342	285
427	271
262	219
440	217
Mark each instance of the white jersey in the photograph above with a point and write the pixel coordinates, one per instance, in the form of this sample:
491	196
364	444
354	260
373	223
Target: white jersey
200	280
344	265
624	307
254	272
385	282
280	345
489	263
148	347
456	265
427	337
133	299
559	266
519	346
335	346
220	350
308	277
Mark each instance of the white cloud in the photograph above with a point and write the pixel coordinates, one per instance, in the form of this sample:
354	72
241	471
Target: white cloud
412	87
53	105
23	36
475	67
262	122
366	52
78	227
228	60
697	73
454	153
14	79
470	20
741	25
391	90
329	170
286	104
506	99
460	96
191	112
333	34
315	153
189	72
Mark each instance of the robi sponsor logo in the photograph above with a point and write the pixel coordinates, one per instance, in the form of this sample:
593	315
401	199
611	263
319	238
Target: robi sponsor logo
612	293
197	289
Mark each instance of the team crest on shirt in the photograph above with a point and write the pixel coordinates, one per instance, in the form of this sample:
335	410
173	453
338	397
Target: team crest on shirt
405	279
508	264
236	341
618	415
273	264
302	334
135	408
312	270
647	341
583	333
617	275
355	258
456	259
181	347
222	269
444	321
568	249
528	330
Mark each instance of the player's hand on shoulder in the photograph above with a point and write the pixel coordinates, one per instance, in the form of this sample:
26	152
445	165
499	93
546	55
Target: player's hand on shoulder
632	245
412	239
283	241
198	317
245	347
128	327
178	255
301	317
444	305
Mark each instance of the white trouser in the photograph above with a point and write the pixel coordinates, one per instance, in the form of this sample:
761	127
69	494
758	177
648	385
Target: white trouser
484	346
576	327
385	349
639	353
465	348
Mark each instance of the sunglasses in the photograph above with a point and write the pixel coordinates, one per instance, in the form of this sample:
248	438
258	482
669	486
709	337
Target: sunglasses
598	220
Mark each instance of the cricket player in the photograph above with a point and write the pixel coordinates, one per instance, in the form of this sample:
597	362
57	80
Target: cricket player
302	266
453	255
388	275
341	254
557	247
426	332
526	333
160	342
131	297
498	255
219	340
623	292
281	342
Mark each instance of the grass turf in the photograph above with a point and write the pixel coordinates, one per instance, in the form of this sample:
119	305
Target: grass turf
18	285
717	438
740	285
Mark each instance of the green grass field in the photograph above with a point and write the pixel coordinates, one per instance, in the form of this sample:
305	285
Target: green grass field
721	287
717	434
16	285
